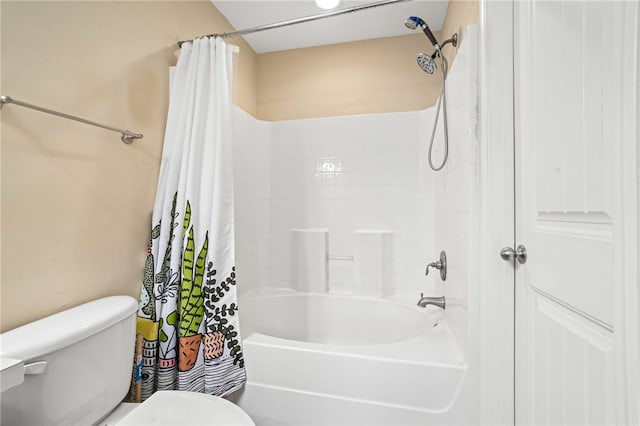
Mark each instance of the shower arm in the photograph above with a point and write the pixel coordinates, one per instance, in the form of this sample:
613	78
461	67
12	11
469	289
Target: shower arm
453	41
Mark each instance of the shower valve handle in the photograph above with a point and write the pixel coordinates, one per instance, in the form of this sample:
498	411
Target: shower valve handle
440	265
436	265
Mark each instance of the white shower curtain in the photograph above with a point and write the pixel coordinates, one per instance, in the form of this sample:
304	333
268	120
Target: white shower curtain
188	315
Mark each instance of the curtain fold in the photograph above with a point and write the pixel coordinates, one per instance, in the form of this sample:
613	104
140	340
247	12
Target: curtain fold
188	315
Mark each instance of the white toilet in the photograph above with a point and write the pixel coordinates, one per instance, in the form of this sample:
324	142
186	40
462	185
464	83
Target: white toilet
77	370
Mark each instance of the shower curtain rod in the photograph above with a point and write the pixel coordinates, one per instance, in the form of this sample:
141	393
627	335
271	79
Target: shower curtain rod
299	20
127	136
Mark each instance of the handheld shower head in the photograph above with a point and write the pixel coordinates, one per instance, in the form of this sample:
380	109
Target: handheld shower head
415	22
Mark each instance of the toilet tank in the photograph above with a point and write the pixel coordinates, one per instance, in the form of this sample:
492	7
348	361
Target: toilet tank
77	364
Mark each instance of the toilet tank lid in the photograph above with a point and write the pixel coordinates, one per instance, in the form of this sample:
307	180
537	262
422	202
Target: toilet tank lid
65	328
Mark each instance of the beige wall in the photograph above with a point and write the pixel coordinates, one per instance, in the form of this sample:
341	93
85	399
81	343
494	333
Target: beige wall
76	202
361	77
371	76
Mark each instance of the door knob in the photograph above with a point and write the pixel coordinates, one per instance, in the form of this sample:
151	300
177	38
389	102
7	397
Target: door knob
509	254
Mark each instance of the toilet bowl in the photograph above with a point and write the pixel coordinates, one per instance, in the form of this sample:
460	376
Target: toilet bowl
171	408
76	368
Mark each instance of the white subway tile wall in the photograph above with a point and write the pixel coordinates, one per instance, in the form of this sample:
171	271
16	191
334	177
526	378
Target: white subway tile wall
252	177
455	183
342	174
309	260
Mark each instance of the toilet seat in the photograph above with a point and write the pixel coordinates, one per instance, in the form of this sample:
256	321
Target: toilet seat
170	408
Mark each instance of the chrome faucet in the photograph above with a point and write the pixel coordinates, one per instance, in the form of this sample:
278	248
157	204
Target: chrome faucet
435	301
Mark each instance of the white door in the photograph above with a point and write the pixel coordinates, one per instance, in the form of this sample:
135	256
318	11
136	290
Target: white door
572	132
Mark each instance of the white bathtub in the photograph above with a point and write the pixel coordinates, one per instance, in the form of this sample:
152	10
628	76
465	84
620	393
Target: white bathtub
317	359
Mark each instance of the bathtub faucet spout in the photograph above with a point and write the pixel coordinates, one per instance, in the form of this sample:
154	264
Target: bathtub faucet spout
435	301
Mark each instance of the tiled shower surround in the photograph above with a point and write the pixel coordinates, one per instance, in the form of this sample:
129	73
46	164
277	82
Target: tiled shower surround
361	179
349	204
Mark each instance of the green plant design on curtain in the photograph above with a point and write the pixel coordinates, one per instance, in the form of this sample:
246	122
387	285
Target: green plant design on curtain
191	297
167	282
172	320
217	322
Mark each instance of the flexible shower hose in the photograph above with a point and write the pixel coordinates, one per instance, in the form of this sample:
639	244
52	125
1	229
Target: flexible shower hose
442	102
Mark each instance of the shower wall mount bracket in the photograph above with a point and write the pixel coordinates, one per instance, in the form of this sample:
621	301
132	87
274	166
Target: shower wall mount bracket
440	265
453	39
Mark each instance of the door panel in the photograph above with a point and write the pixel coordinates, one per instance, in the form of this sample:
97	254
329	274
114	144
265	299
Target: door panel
568	58
567	131
573	364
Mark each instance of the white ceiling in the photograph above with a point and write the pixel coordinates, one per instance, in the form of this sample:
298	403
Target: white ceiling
383	21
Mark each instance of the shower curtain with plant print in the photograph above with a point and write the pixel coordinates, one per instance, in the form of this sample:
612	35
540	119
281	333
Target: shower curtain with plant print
188	316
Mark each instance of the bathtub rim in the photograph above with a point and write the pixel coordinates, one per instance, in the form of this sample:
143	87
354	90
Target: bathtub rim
440	335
